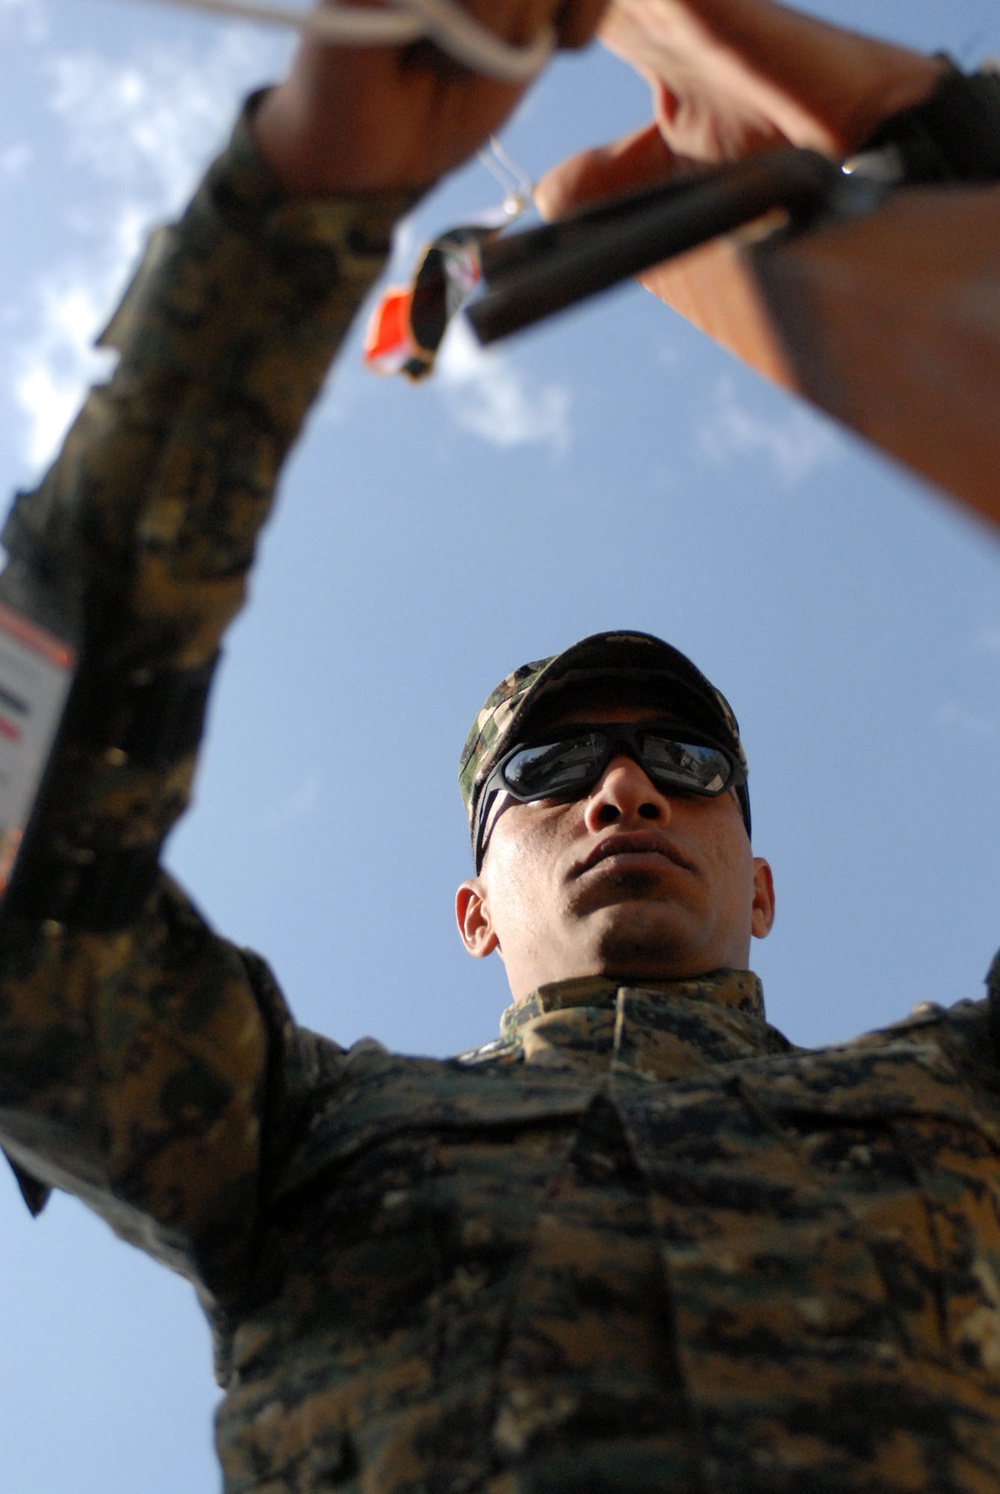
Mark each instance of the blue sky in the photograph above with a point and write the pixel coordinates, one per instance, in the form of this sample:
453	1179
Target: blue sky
611	469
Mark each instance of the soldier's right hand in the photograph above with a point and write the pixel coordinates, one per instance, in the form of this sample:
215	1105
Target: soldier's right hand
729	77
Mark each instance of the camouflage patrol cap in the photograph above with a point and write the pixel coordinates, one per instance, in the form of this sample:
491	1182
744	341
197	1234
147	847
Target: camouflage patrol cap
632	658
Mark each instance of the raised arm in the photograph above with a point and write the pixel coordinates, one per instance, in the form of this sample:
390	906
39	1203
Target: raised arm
884	322
138	1050
727	79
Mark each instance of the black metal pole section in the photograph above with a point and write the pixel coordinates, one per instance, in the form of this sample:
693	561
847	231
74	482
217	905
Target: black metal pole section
529	276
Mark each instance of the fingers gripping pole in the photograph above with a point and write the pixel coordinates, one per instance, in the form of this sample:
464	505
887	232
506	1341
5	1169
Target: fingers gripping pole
443	21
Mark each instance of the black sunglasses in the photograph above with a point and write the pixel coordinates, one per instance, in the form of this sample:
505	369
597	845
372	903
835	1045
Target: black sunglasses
569	766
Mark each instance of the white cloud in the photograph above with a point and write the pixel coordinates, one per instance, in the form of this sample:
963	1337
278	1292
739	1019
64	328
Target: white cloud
793	444
483	391
137	133
969	722
297	805
52	358
14	160
488	394
147	124
56	361
667	354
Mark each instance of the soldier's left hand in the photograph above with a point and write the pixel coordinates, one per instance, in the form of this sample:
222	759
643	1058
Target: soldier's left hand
365	119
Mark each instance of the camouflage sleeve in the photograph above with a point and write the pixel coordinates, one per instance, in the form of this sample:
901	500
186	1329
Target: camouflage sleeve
134	1051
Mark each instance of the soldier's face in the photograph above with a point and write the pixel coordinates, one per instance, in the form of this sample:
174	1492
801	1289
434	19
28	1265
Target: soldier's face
628	882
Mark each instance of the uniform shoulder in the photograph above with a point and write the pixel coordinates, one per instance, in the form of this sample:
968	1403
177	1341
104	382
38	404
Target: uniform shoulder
967	1031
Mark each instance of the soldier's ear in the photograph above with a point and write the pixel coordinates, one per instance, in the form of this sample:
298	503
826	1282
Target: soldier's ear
762	914
472	914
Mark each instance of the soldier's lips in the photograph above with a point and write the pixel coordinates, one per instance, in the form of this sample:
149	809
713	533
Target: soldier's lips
638	850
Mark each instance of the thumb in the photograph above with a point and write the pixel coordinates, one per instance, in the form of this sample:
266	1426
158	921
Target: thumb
636	160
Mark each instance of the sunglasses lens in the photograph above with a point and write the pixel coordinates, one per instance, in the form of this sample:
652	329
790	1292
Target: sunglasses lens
688	765
554	768
573	765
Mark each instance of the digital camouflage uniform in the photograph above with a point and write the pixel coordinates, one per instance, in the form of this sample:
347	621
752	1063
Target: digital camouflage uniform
637	1244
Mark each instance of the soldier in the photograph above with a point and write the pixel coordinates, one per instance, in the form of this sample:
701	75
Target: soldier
639	1243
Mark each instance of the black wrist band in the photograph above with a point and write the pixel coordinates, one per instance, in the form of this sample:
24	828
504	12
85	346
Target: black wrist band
952	136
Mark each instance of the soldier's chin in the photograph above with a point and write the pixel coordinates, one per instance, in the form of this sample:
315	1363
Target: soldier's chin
633	940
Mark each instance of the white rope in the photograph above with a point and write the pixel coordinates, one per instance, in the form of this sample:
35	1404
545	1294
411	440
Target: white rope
443	21
518	188
455	32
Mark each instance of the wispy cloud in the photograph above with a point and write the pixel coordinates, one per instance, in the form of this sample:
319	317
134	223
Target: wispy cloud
297	805
489	394
792	444
667	354
146	125
14	160
136	134
56	359
969	722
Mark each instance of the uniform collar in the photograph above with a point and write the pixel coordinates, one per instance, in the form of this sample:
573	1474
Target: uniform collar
739	990
661	1031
